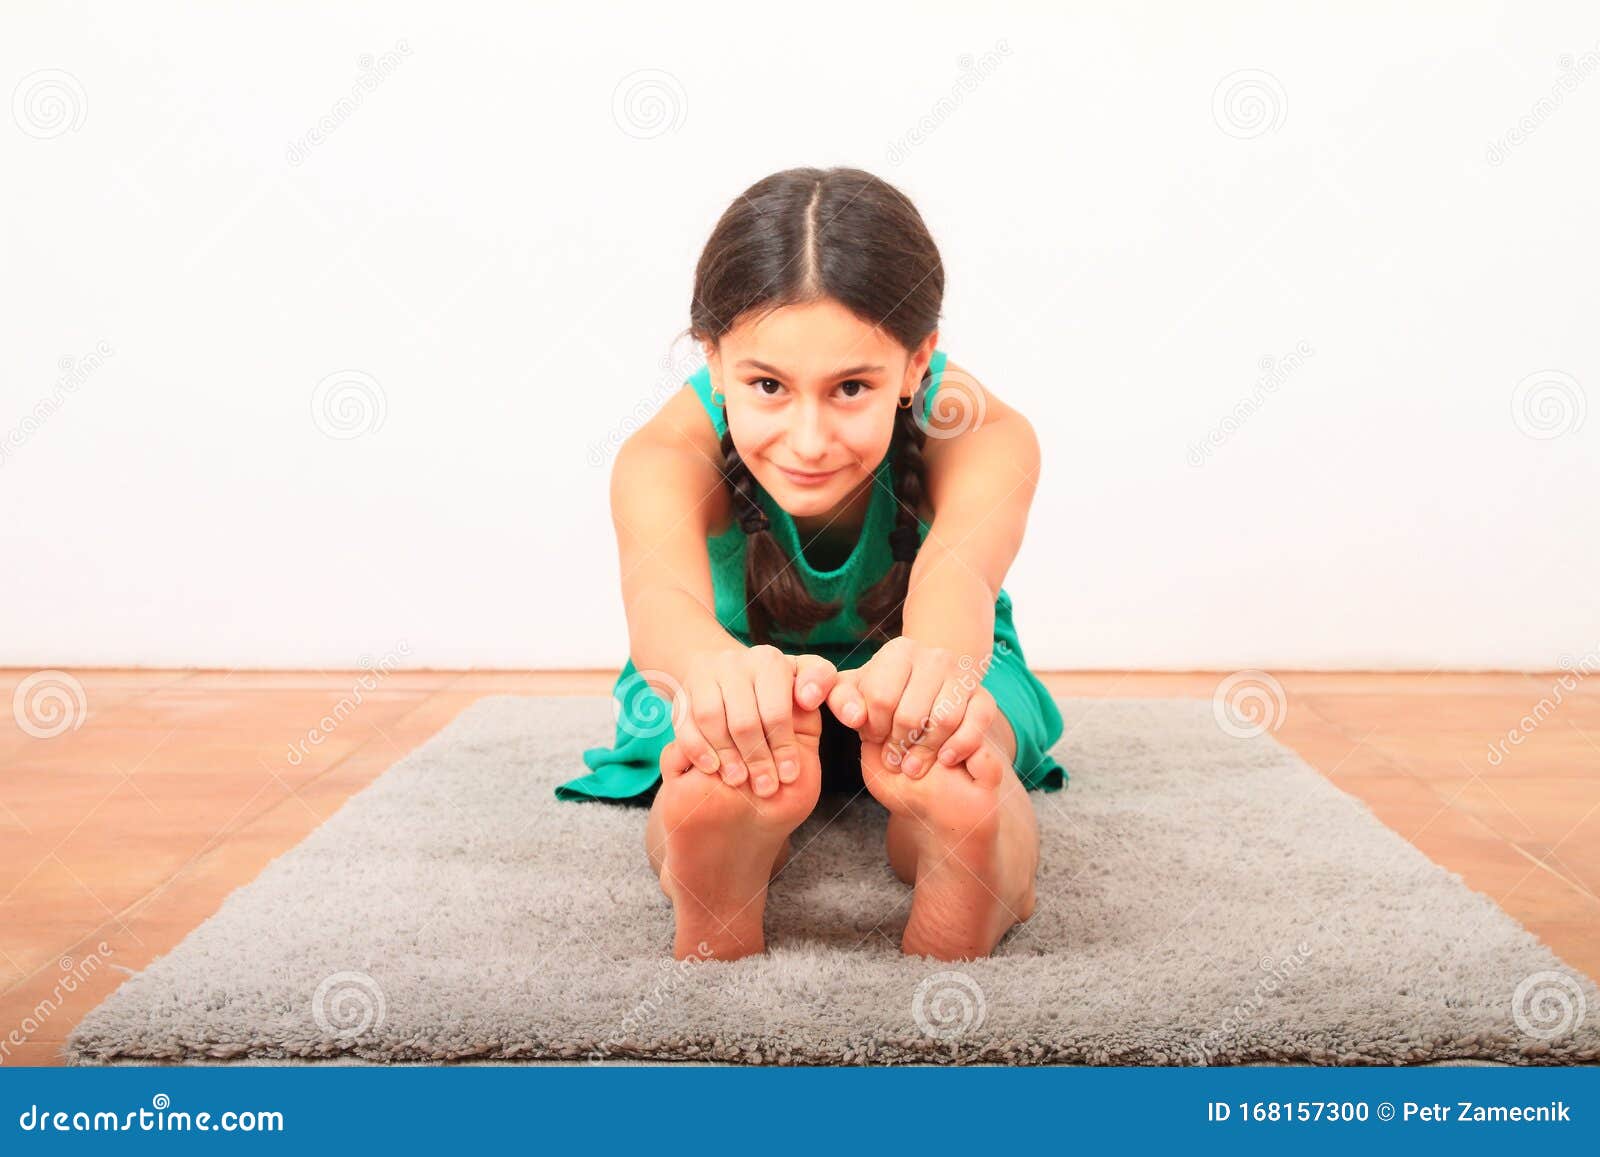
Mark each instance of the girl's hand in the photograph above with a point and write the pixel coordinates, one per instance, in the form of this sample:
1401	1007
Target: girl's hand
918	701
735	714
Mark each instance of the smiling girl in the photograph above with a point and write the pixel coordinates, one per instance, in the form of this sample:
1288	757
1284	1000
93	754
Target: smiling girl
813	536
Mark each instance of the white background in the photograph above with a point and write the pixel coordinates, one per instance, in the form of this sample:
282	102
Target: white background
501	239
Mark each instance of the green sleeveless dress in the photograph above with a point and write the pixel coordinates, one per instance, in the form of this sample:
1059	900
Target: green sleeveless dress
630	767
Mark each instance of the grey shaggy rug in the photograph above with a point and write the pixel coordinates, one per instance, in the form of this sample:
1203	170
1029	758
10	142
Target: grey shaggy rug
1203	899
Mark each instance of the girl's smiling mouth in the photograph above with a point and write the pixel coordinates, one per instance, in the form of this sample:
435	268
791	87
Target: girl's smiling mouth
805	478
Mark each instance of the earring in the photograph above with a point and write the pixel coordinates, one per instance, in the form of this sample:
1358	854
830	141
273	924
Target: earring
904	403
717	398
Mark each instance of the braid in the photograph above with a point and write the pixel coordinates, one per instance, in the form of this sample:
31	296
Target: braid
882	606
778	600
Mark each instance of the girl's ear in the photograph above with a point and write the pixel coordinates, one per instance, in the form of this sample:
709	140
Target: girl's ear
714	360
921	358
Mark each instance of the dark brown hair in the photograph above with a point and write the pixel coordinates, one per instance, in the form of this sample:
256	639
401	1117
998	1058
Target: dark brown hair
796	237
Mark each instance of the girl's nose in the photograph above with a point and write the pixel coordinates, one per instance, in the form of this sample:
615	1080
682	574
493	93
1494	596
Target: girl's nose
809	437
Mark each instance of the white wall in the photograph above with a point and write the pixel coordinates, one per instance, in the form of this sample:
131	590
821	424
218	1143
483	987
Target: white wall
502	249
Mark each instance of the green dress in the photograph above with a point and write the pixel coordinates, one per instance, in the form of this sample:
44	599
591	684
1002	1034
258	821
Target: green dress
630	767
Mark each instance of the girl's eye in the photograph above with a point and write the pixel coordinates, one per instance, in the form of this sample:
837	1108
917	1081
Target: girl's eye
859	387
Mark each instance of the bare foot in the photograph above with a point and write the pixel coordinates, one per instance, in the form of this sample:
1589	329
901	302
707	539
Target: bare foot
967	838
716	847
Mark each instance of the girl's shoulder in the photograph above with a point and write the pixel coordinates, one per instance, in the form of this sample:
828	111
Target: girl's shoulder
677	448
961	404
960	407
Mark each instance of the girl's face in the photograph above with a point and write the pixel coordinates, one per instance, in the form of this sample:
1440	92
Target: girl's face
810	397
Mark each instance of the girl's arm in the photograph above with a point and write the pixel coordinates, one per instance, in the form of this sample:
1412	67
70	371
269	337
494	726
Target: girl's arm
733	706
981	484
983	467
667	493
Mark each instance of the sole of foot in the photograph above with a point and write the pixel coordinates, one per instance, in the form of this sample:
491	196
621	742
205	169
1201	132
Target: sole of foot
723	845
974	844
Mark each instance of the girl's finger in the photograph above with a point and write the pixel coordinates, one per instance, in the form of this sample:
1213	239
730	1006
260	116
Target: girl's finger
970	735
814	679
710	720
744	724
883	681
693	746
774	688
923	719
673	761
845	699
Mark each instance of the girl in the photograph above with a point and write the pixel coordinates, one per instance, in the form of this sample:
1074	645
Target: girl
811	569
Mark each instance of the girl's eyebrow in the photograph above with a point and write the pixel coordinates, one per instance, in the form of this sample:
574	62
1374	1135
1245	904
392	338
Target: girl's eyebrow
864	369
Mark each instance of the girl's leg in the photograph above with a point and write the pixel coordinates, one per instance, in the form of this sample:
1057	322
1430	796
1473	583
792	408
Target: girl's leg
967	839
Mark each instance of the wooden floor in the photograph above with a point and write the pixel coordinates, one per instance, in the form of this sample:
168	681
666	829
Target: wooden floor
123	833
